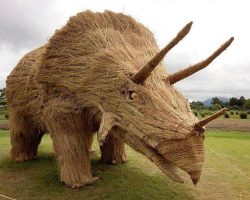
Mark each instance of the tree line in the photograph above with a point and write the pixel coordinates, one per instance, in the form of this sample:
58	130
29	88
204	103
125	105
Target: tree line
234	103
2	98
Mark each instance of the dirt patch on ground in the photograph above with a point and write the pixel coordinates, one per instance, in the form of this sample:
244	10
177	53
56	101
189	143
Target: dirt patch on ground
4	126
230	124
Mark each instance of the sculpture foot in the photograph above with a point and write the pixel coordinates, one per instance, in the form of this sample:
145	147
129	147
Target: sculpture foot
77	186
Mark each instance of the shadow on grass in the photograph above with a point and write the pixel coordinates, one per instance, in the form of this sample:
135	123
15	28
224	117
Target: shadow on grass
40	179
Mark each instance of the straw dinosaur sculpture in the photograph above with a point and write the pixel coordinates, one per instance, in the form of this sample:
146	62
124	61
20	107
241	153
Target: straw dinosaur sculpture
103	72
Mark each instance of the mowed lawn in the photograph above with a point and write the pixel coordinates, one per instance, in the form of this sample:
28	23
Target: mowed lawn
226	174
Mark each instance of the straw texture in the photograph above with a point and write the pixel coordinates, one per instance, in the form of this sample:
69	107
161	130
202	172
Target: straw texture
81	82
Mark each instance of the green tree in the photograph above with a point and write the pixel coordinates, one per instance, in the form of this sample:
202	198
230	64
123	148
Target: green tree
2	97
241	101
246	105
233	101
196	105
216	101
2	93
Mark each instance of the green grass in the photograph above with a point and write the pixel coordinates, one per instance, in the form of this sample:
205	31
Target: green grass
227	159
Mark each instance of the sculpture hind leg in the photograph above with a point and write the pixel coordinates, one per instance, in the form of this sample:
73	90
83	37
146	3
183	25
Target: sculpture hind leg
71	147
113	150
90	139
25	138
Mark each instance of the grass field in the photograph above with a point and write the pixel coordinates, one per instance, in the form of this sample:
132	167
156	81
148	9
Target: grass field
225	176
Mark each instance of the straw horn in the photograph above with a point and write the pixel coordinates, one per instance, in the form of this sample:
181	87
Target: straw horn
210	118
145	72
173	78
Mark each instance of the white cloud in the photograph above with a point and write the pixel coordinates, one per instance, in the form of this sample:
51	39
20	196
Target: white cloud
27	24
9	59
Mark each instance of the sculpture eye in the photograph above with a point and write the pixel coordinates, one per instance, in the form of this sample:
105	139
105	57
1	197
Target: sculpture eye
132	96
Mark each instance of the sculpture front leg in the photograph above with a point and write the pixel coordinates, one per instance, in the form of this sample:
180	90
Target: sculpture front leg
71	146
113	149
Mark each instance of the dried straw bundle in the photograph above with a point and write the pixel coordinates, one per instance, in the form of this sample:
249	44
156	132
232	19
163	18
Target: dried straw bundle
90	77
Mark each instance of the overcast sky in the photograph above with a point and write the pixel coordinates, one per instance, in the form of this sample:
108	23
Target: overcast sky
27	24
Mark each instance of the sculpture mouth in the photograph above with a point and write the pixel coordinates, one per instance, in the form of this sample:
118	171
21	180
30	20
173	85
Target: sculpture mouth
167	156
162	162
154	156
166	166
187	154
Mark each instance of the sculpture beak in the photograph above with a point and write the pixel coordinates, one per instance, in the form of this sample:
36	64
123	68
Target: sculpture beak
195	176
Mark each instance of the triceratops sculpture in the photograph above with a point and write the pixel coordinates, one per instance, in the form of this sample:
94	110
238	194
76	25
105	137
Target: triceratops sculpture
104	72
